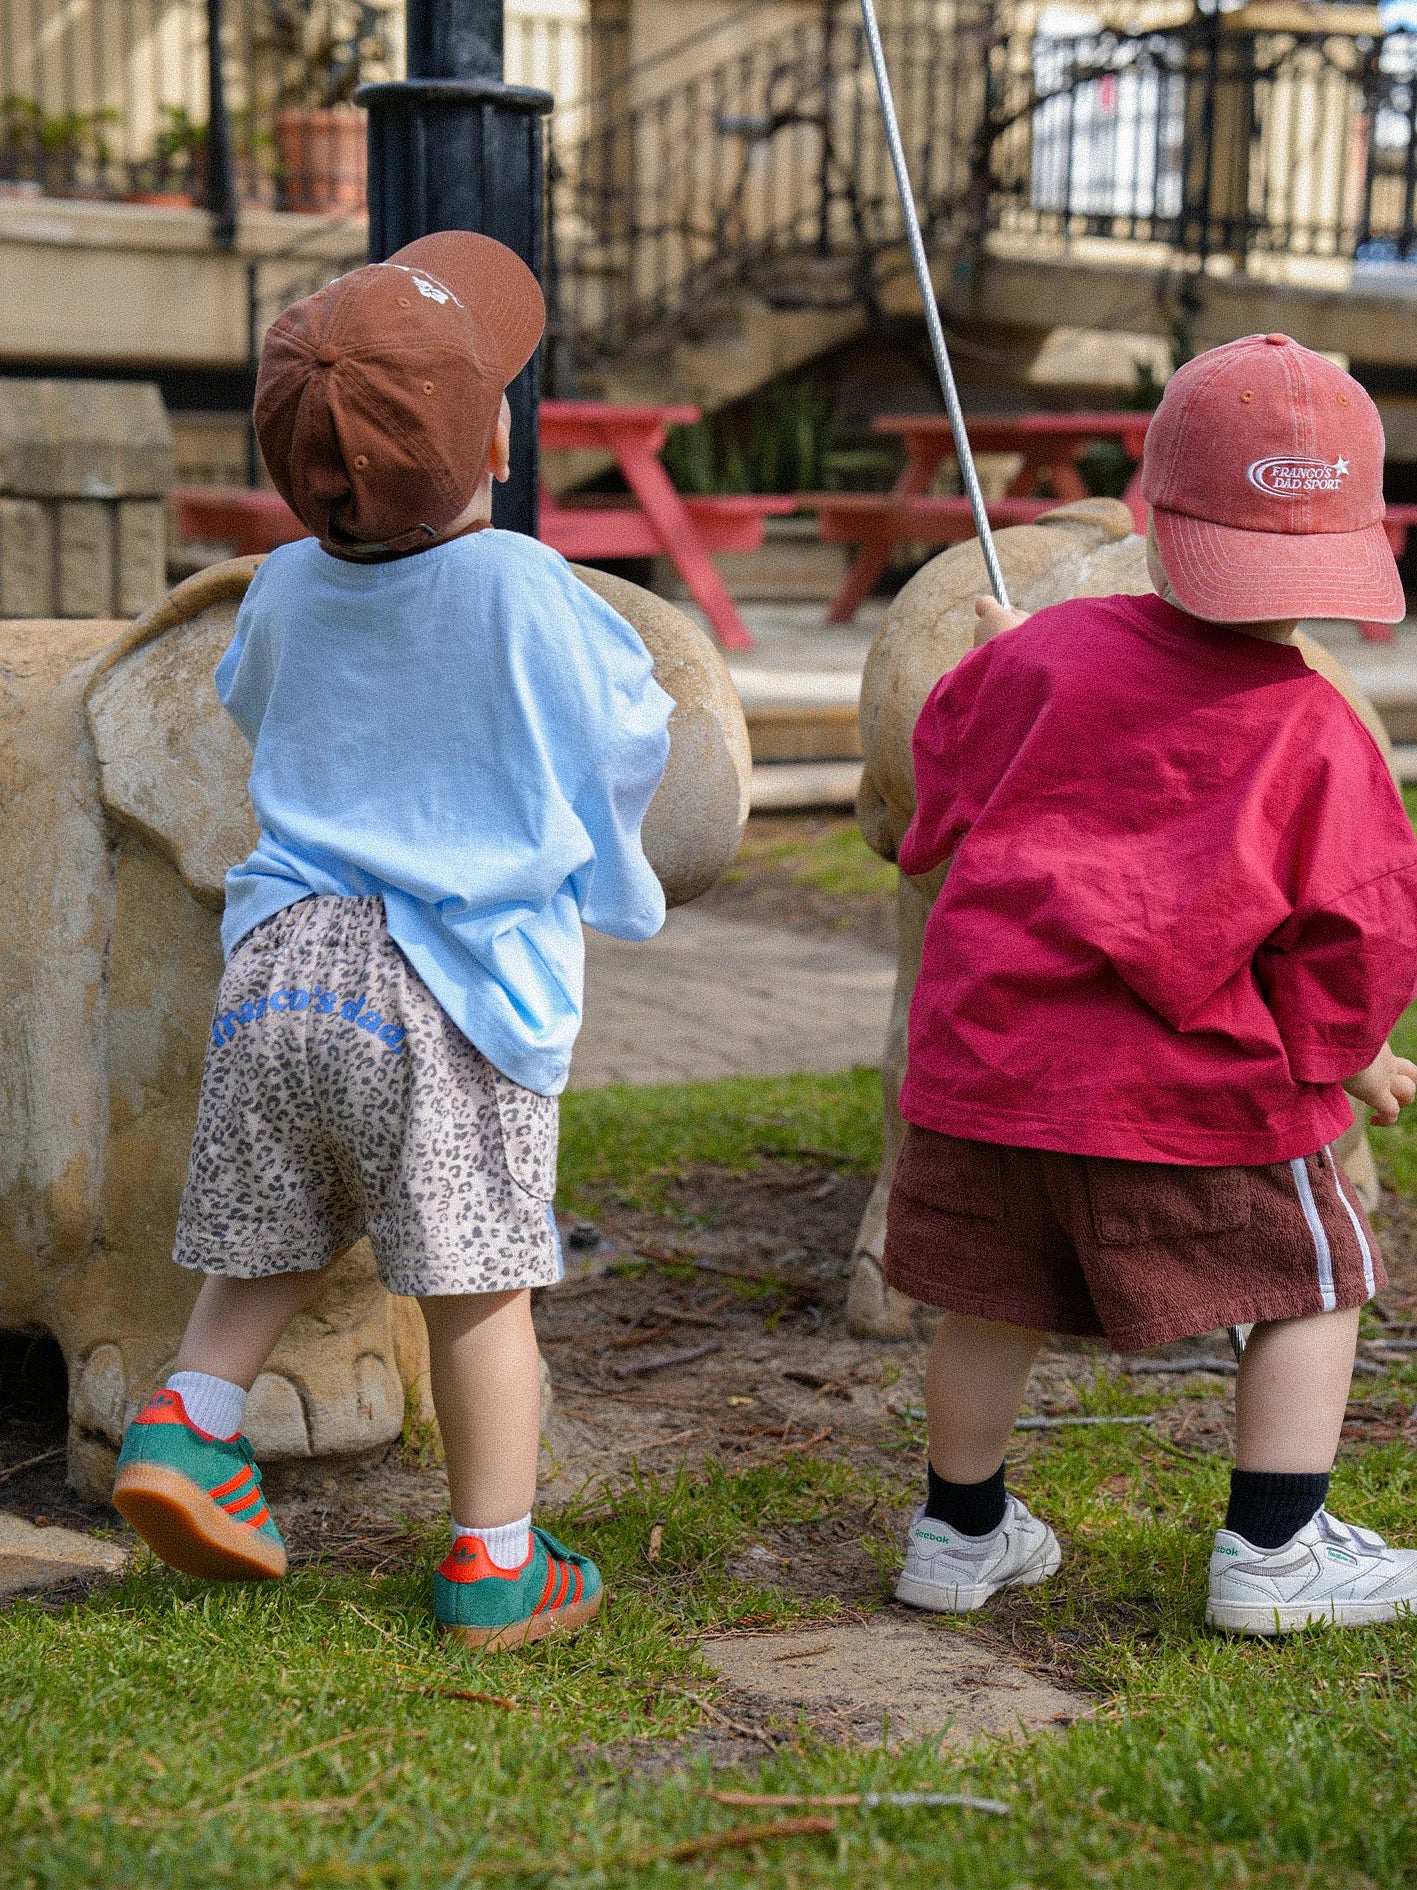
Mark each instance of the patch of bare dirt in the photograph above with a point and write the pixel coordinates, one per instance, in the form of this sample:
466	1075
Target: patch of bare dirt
767	890
899	1674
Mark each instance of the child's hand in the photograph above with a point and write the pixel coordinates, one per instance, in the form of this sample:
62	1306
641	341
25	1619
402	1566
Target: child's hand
1387	1085
993	618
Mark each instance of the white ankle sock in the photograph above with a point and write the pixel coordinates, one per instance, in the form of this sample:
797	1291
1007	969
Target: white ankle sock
214	1405
508	1545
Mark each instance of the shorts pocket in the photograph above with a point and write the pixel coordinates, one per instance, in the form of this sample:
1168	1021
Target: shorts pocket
951	1175
530	1125
1138	1204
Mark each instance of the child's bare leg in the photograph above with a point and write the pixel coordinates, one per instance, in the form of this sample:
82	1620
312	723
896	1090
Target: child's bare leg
487	1392
186	1479
1282	1560
234	1326
974	1384
970	1538
1292	1392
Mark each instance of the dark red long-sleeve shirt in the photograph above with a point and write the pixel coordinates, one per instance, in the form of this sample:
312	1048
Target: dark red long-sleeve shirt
1183	899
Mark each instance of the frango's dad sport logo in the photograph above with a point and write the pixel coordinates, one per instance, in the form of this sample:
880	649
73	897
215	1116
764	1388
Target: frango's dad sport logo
1288	477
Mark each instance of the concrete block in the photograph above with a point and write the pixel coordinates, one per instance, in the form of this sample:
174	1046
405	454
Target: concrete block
141	562
86	558
84	440
26	559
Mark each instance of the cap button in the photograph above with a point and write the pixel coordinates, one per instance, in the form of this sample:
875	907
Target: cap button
327	353
1277	341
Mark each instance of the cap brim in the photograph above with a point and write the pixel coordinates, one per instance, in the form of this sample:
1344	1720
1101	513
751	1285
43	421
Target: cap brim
501	295
1226	575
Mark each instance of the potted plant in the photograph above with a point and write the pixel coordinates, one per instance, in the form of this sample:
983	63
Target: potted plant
176	175
63	153
178	172
321	139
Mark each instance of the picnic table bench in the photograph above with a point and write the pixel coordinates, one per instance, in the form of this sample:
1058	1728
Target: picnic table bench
1050	445
654	520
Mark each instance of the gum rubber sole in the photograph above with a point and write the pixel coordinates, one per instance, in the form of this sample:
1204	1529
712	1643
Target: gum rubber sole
181	1524
536	1627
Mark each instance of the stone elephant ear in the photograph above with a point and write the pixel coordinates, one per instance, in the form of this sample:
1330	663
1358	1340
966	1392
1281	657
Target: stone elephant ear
173	764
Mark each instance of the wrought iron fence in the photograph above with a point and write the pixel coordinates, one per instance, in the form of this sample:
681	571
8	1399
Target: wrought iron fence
765	167
110	98
1208	139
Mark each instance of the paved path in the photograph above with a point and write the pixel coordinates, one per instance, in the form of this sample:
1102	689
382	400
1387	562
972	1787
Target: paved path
713	996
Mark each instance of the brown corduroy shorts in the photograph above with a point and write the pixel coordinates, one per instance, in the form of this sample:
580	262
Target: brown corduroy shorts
1143	1252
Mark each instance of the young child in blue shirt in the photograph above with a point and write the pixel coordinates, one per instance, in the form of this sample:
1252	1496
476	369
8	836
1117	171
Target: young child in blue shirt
454	745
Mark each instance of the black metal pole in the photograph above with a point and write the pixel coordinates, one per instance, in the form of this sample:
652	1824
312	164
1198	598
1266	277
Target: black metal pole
452	147
220	190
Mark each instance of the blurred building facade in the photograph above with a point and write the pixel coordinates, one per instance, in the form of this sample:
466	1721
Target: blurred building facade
1099	183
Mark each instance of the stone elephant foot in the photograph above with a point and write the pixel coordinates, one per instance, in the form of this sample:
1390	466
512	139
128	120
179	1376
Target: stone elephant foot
1086	549
124	785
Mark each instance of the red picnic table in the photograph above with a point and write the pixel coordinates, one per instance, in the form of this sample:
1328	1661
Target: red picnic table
663	521
1051	445
657	519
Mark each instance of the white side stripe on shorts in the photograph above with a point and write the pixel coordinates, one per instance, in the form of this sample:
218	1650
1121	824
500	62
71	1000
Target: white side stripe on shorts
1369	1278
1316	1228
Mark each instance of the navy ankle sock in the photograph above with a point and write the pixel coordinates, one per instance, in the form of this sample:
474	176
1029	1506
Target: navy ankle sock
975	1509
1267	1507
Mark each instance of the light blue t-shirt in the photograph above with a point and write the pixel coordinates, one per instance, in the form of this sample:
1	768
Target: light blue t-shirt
474	735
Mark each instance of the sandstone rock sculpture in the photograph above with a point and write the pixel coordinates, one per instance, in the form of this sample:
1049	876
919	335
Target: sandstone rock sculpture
124	785
1086	549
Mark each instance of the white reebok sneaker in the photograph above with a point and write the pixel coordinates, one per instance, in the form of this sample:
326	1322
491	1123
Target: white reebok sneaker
954	1574
1330	1571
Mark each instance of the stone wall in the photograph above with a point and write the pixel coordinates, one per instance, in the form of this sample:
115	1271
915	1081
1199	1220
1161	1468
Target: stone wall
84	469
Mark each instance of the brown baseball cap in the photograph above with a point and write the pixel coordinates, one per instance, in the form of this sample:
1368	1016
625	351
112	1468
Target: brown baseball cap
378	396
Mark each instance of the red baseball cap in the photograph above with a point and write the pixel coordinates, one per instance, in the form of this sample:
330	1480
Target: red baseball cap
1264	472
378	396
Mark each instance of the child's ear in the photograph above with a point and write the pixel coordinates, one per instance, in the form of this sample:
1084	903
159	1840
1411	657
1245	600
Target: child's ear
499	460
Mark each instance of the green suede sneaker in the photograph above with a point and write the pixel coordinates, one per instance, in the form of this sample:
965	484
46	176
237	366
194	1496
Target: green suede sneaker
194	1499
553	1592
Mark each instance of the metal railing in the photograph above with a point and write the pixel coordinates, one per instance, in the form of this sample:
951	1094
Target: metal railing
1208	140
767	170
111	98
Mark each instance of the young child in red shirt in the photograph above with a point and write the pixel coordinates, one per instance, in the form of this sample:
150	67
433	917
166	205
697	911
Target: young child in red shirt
1179	922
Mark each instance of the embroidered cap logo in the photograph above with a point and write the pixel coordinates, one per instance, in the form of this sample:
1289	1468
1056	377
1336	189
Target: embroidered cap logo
1287	478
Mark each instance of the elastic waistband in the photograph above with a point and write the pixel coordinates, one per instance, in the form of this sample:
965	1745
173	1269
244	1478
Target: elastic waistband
324	919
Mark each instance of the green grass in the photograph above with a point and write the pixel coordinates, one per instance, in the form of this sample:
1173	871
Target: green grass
163	1733
633	1143
830	858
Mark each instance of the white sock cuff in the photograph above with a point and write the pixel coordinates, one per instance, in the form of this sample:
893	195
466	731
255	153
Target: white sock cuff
509	1544
214	1405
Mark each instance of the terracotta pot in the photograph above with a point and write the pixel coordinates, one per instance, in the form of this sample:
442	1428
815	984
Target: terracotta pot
164	199
323	157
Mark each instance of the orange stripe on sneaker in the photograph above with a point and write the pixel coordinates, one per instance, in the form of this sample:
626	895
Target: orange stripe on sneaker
552	1577
252	1503
257	1521
576	1587
563	1582
243	1475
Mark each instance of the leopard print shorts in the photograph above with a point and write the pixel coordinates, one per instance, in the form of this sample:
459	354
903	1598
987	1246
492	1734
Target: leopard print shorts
339	1099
